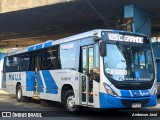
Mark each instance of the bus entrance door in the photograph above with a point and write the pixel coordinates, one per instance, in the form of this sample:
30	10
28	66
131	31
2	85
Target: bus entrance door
37	63
87	80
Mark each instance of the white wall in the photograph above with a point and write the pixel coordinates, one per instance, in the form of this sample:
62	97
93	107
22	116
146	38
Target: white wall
1	67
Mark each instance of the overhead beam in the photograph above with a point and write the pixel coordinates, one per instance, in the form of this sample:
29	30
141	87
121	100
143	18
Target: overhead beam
15	5
24	42
141	19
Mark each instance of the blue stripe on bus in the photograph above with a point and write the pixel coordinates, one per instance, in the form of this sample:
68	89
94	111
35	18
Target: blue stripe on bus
135	93
108	101
125	93
48	44
31	48
30	81
146	91
51	86
40	83
38	47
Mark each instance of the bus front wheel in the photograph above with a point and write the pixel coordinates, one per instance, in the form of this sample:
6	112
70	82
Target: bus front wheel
19	95
69	102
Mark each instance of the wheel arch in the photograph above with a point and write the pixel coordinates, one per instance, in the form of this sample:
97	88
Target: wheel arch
64	89
18	84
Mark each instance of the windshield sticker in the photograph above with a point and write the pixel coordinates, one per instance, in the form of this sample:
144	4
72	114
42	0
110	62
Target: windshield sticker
137	74
116	71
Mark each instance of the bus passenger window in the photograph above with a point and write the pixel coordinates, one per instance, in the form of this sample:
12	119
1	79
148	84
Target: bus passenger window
69	55
25	61
7	65
12	64
50	58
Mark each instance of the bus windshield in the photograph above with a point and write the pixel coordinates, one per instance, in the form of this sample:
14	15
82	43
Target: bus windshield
128	62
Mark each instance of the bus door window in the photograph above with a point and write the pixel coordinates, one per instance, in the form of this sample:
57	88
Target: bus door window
91	63
37	62
87	64
37	67
84	72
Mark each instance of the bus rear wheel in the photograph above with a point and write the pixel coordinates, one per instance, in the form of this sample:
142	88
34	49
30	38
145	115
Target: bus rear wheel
19	95
69	103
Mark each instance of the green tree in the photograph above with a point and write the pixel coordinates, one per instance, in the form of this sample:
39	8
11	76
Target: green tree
3	50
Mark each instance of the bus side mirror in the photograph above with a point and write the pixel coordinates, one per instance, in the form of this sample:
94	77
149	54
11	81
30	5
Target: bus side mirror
102	49
95	73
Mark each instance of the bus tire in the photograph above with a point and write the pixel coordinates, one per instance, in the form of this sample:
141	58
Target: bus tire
28	99
19	95
69	103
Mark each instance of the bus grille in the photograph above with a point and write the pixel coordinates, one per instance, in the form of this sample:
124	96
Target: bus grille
128	103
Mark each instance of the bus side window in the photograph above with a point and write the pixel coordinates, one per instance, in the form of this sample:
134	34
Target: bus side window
69	55
12	64
7	65
16	63
50	58
25	62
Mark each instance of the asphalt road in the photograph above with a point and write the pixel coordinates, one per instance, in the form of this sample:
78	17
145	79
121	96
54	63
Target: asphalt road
54	110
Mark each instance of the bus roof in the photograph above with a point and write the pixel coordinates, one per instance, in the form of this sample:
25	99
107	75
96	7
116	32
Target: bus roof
96	32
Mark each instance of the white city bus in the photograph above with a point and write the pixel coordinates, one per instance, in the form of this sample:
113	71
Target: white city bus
99	69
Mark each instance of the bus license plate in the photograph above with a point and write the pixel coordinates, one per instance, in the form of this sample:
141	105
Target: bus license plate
136	105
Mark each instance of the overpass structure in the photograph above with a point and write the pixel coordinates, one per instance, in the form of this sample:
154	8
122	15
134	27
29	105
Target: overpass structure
26	22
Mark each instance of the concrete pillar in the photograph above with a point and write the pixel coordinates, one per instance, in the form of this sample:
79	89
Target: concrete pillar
2	55
141	19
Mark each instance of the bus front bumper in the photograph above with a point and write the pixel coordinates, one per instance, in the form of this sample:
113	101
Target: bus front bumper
108	101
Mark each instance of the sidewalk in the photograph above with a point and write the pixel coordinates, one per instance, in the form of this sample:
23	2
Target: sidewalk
3	92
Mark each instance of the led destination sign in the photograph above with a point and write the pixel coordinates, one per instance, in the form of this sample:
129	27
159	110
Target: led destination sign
125	38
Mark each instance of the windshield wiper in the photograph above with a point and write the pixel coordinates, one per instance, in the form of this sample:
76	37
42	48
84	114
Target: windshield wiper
123	61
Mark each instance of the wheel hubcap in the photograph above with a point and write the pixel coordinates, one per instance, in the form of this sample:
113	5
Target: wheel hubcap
71	103
19	94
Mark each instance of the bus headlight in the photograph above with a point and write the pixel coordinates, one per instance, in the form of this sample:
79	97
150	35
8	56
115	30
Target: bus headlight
109	90
154	91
